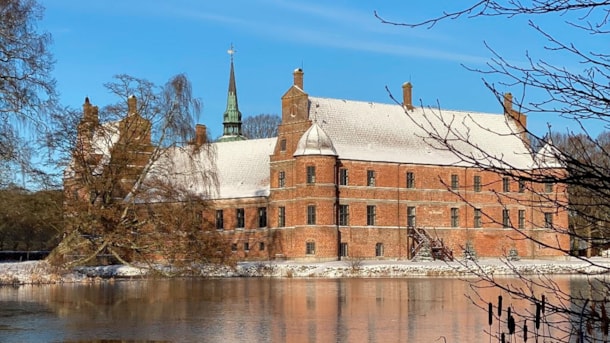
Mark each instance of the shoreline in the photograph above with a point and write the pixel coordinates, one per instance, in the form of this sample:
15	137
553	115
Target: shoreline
40	272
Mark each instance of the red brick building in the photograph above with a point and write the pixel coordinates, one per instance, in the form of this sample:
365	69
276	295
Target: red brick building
354	179
349	178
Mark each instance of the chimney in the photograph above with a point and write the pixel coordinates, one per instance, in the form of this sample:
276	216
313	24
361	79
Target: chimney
407	96
298	78
519	118
508	104
201	135
132	105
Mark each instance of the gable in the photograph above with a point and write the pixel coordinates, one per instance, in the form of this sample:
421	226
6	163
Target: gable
295	105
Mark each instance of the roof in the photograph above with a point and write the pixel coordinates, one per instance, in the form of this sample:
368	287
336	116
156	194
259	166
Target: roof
548	157
351	130
243	167
315	142
378	132
236	169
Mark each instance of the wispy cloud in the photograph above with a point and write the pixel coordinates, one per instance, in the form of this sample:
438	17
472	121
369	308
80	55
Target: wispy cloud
340	28
319	38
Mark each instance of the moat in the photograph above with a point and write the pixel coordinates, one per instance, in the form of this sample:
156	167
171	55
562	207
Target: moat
247	310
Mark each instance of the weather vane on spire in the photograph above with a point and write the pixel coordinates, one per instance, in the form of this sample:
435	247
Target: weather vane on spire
231	51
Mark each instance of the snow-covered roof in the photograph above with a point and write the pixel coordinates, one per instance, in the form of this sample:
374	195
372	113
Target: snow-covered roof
315	142
243	167
369	131
351	130
548	157
236	169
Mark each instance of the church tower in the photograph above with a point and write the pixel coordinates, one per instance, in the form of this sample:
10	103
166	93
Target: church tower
232	117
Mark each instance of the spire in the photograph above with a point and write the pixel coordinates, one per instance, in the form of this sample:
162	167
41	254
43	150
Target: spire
232	88
232	116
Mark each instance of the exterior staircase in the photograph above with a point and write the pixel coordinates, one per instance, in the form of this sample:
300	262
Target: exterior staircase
424	244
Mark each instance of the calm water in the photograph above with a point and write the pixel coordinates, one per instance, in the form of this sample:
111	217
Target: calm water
245	310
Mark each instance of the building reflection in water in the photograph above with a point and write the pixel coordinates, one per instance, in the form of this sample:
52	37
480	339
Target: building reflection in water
256	310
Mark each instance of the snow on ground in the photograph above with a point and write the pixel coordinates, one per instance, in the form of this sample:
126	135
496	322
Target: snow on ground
40	272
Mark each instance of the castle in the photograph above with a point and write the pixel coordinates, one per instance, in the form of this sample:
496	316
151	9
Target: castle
354	179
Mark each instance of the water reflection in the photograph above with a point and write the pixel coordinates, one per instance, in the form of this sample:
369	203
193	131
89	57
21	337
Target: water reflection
245	310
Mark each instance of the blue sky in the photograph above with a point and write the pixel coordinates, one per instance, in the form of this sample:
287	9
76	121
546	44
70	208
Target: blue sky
344	50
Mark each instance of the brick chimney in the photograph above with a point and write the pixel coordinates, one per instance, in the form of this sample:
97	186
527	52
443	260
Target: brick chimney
201	135
519	118
407	96
132	105
508	103
298	78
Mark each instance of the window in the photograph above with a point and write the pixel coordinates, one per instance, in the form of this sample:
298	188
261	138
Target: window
343	250
281	179
219	220
310	248
240	216
311	174
505	218
233	247
281	216
521	219
548	220
261	246
548	186
410	180
455	217
455	184
311	215
262	216
246	246
477	183
505	184
370	214
343	214
411	216
370	178
283	145
379	249
343	177
477	217
521	185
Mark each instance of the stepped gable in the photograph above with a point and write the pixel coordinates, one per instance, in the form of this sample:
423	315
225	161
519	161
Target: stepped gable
367	131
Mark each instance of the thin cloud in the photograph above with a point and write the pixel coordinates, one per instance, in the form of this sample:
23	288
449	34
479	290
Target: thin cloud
354	20
330	36
374	46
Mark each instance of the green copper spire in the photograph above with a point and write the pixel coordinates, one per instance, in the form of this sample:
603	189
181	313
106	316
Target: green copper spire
232	116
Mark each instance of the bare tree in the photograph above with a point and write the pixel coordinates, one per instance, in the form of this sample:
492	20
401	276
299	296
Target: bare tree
261	126
582	96
27	90
136	181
